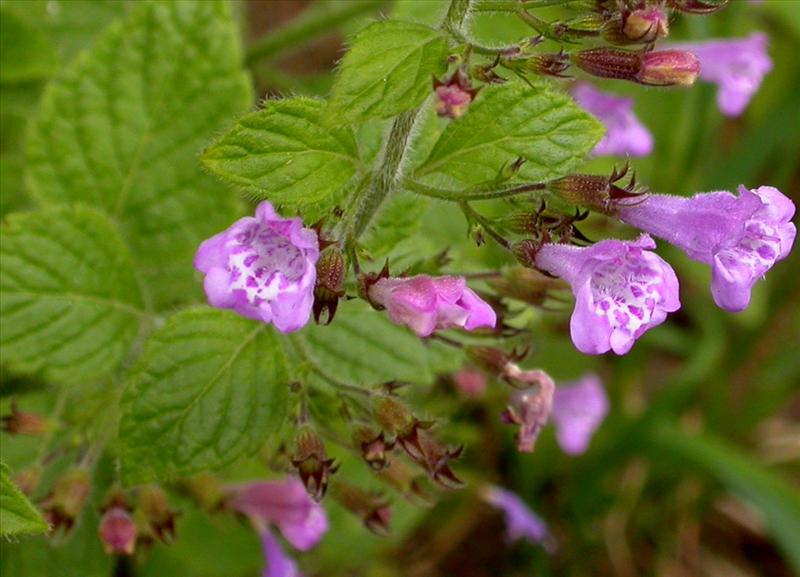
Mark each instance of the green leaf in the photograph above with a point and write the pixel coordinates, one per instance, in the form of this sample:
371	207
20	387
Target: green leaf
398	221
121	129
539	124
18	516
387	70
25	52
209	387
283	154
363	347
770	494
70	303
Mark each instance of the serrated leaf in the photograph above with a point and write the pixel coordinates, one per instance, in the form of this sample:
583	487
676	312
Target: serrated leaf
70	303
283	154
387	70
18	516
363	347
122	127
25	52
209	387
539	124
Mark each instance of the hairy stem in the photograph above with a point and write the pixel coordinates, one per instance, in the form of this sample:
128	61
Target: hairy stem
516	5
478	193
389	173
320	18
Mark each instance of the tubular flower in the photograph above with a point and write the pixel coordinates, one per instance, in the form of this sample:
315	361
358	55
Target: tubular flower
621	290
263	268
278	563
284	504
426	304
521	522
578	410
625	134
737	66
740	237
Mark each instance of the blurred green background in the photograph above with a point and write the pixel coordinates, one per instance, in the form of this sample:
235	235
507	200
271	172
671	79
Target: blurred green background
695	471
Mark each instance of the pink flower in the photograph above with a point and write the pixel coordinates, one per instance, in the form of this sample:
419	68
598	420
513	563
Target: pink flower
625	134
621	290
285	504
427	304
578	410
263	268
737	66
277	563
740	237
117	531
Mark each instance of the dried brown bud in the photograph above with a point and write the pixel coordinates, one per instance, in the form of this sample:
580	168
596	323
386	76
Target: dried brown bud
330	283
18	423
155	509
374	447
67	498
597	191
371	507
312	463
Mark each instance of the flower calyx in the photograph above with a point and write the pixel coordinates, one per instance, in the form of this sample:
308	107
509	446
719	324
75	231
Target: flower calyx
312	463
329	288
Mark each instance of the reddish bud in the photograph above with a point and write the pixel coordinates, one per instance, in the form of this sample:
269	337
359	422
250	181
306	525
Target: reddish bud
312	463
646	24
669	68
18	423
158	514
117	531
67	498
454	95
330	283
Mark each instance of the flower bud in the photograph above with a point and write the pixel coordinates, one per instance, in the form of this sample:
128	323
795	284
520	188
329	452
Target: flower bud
370	507
67	498
374	447
330	283
597	191
702	7
664	68
454	95
156	511
312	463
554	64
18	423
669	68
117	531
646	24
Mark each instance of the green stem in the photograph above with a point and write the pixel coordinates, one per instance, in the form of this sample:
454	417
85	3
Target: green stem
479	193
320	18
471	214
390	172
516	5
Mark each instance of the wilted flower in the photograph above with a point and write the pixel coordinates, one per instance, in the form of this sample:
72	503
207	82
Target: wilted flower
284	504
625	134
741	237
263	268
117	531
530	407
737	66
621	290
578	409
312	463
521	522
426	304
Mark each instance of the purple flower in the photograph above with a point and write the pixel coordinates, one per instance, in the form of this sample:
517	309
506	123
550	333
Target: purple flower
578	409
521	522
278	563
625	134
285	504
263	268
738	66
621	291
741	237
426	304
